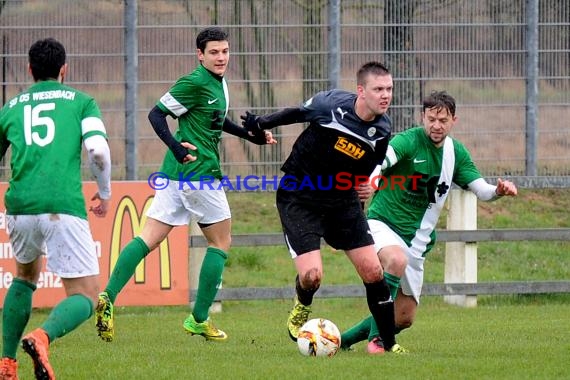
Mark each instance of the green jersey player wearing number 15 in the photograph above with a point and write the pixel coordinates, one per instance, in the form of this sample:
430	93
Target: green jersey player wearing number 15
403	218
45	126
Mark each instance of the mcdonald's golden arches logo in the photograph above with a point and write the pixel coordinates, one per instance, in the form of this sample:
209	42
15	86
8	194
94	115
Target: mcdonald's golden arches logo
128	207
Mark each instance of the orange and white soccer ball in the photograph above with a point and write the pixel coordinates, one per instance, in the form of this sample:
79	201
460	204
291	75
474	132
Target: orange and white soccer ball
319	337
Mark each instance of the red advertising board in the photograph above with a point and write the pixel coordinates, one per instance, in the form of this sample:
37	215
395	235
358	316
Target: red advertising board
160	279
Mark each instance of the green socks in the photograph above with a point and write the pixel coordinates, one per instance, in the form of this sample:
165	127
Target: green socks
67	316
393	283
356	333
129	259
16	314
210	275
209	282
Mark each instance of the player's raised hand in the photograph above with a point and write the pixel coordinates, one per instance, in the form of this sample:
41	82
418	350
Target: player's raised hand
505	188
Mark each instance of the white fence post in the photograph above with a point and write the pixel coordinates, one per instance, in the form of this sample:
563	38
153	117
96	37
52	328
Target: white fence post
195	258
461	257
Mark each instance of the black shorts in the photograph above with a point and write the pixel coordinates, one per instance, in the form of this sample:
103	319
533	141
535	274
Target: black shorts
307	216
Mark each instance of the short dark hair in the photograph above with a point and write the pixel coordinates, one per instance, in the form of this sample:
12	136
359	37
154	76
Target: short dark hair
373	67
46	57
439	100
210	34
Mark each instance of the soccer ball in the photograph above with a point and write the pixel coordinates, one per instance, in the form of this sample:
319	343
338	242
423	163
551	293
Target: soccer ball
318	337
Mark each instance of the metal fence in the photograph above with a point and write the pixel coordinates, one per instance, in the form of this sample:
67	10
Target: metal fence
507	62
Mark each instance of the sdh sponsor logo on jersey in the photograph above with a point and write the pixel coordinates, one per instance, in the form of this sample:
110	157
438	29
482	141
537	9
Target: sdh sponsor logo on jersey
348	148
137	220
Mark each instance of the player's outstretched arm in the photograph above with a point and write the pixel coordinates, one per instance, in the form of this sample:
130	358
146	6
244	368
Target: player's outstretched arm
254	123
262	137
487	192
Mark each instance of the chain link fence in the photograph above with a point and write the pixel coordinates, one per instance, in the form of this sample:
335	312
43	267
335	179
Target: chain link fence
128	53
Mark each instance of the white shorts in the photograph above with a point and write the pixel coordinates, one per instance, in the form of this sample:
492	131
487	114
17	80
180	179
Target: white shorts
413	278
65	240
176	206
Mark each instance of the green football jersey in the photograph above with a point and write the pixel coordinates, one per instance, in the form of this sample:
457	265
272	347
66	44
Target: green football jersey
45	126
415	183
200	102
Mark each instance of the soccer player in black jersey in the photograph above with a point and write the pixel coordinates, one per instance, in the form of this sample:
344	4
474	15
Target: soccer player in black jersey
346	138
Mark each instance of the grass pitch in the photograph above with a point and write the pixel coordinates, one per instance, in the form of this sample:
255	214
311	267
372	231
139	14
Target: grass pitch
503	338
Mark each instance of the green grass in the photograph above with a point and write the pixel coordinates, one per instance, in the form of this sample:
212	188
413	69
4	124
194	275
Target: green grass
497	340
504	337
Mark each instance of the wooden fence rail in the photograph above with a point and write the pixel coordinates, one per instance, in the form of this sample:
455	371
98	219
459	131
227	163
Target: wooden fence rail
469	236
342	291
443	289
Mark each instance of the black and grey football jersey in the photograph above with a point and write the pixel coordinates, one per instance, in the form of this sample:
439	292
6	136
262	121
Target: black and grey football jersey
336	141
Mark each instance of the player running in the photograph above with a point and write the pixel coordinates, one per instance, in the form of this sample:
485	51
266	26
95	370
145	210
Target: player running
200	102
46	125
348	134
